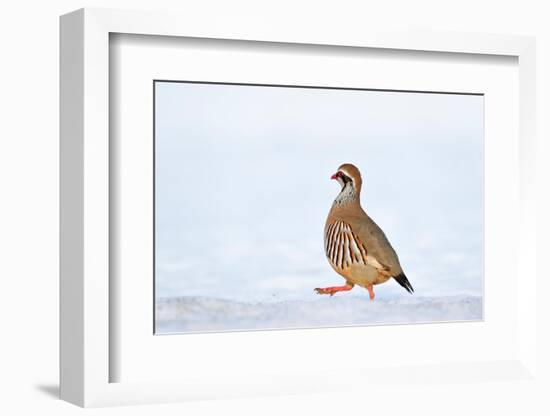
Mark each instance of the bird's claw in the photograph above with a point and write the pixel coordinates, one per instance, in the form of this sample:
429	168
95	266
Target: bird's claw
333	289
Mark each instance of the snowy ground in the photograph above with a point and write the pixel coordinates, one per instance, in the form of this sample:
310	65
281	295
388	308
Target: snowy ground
199	314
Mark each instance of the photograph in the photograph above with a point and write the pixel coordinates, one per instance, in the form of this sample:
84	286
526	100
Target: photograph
290	207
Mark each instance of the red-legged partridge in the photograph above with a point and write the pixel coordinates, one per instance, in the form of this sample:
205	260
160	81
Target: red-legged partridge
355	246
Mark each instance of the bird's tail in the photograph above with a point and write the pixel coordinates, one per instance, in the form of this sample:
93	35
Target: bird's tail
403	281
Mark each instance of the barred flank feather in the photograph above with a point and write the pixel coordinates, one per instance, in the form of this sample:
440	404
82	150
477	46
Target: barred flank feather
343	247
403	281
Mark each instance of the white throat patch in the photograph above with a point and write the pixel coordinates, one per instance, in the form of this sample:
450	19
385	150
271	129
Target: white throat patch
347	194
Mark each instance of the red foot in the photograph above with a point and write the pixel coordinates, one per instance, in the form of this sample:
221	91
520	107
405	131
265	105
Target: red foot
332	290
371	292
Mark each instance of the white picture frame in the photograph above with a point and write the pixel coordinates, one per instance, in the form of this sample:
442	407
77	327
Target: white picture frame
86	332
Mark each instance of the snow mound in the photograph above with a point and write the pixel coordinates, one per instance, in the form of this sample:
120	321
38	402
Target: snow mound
199	314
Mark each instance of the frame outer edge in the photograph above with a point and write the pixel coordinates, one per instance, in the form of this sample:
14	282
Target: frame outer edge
71	221
84	178
527	155
95	196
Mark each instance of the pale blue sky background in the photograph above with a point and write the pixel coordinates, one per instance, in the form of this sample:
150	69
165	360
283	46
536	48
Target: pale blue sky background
243	188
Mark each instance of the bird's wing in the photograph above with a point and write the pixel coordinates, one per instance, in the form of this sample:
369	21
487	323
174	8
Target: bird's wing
380	252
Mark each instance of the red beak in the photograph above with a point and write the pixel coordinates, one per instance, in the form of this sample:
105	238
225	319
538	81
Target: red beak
335	176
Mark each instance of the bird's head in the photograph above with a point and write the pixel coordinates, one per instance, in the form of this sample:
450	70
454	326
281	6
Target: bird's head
348	175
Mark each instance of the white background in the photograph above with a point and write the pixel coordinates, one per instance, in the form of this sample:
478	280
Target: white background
416	194
29	209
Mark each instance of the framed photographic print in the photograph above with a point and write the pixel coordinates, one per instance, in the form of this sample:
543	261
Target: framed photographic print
249	212
242	199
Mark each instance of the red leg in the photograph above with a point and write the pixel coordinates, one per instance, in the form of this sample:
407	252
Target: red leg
371	292
333	289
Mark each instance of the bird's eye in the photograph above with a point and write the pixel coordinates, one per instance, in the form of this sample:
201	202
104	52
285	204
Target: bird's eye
339	174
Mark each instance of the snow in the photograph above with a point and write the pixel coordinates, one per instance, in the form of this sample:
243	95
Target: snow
203	314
